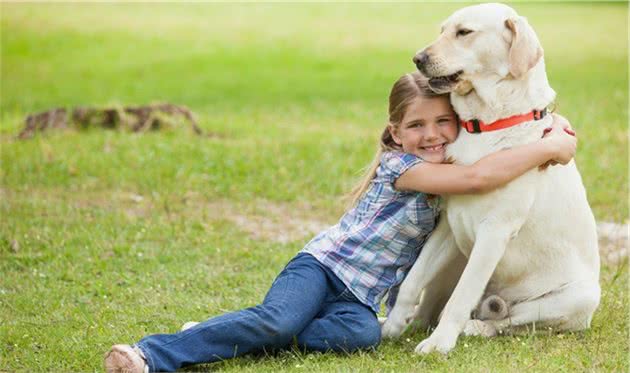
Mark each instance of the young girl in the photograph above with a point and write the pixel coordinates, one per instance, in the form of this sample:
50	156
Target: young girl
327	297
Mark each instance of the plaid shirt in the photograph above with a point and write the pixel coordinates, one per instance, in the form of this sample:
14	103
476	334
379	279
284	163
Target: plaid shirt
375	243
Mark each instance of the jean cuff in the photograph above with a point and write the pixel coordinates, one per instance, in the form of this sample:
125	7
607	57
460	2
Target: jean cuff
144	353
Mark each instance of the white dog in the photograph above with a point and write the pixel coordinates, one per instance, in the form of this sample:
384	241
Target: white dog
532	243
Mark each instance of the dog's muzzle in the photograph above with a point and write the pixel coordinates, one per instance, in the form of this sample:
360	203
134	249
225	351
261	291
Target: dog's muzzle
421	60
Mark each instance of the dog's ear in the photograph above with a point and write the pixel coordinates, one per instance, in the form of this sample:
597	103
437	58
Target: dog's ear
525	50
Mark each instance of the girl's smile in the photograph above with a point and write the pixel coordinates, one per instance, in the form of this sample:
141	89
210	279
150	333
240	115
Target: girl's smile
436	148
429	124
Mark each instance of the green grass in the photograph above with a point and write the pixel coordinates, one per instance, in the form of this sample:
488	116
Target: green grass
298	94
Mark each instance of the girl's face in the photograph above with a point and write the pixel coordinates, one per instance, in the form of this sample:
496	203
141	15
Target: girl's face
429	124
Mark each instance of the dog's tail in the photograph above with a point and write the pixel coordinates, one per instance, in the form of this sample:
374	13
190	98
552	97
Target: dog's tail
492	308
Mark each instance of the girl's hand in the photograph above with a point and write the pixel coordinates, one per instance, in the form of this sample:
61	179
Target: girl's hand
560	122
562	141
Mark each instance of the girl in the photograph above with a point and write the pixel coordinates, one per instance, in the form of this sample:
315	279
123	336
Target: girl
328	296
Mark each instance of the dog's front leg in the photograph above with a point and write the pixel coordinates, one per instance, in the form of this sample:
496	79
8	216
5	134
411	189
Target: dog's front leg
490	244
437	293
437	253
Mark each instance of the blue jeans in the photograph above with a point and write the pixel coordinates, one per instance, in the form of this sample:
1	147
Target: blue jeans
306	304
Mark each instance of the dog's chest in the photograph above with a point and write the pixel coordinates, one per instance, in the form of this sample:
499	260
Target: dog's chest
504	207
510	203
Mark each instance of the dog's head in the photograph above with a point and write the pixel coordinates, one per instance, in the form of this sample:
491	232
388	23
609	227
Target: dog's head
485	41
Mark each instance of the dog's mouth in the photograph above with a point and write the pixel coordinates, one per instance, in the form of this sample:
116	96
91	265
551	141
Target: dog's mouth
446	83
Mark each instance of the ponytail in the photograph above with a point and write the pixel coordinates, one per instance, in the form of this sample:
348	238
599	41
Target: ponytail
386	144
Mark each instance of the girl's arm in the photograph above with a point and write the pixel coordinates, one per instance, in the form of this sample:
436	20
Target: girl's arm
490	172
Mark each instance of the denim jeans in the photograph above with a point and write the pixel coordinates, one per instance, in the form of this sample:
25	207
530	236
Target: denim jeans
307	304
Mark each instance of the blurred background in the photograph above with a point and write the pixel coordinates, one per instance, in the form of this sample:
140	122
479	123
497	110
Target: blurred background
287	73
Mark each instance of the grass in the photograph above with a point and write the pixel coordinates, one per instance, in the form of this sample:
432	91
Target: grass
298	95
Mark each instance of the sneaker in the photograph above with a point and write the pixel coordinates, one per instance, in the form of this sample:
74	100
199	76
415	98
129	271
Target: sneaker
125	359
189	325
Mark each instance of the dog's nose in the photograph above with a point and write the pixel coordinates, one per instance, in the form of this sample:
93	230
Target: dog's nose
420	60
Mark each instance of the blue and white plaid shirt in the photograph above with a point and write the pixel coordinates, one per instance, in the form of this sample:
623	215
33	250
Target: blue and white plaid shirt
375	243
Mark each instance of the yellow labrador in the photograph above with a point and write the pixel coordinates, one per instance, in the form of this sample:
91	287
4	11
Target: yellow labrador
532	243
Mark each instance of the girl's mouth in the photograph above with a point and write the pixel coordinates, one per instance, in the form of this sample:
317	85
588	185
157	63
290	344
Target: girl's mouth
435	148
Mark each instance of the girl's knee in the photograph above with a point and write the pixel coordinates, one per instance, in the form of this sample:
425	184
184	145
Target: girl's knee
369	334
369	338
348	341
279	327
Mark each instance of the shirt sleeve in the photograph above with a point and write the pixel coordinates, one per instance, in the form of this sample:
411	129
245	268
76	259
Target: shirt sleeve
392	295
394	164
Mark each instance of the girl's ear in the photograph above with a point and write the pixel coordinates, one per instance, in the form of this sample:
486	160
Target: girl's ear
394	133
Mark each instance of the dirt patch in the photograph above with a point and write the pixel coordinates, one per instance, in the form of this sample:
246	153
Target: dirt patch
613	242
278	222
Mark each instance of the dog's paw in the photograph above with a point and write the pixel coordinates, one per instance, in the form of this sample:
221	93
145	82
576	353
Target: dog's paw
390	328
442	340
435	344
397	322
479	328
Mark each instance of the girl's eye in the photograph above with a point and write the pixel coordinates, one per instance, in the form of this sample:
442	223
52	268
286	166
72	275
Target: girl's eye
463	32
444	121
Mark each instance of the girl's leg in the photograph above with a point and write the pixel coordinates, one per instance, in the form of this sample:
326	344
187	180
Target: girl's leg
341	326
295	297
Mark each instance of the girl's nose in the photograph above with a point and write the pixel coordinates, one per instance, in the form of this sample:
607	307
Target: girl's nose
431	133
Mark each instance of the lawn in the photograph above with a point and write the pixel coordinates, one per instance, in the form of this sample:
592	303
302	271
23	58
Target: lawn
106	236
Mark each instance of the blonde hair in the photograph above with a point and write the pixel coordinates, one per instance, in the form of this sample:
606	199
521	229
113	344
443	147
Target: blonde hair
406	89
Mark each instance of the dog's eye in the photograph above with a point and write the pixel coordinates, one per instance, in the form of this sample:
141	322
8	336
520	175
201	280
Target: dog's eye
463	32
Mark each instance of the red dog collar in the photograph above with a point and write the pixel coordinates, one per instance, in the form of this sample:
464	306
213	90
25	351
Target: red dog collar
477	126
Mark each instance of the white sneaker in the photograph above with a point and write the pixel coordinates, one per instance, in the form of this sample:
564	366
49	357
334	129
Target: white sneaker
125	359
189	325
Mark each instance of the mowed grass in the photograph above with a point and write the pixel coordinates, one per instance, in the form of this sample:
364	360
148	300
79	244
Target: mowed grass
117	234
